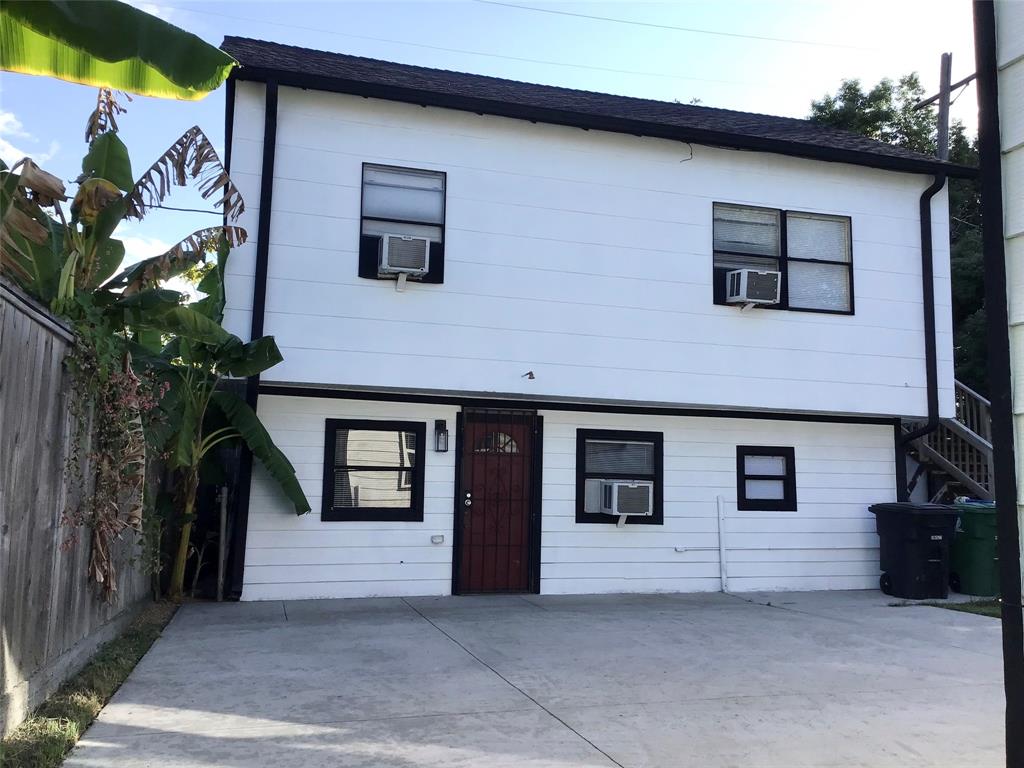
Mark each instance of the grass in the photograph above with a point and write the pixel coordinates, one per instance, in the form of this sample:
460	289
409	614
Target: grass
980	607
48	735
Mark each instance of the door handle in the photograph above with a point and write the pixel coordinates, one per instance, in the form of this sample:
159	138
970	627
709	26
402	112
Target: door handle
469	499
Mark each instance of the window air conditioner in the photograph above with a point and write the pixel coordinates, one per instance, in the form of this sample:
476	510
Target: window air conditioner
752	286
404	255
627	497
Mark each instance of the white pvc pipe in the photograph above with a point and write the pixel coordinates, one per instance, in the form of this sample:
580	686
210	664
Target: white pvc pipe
723	569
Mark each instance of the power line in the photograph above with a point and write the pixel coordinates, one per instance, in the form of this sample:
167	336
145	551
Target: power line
692	30
188	9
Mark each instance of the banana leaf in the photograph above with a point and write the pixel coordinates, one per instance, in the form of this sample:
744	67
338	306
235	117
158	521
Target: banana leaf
108	159
252	358
109	45
245	420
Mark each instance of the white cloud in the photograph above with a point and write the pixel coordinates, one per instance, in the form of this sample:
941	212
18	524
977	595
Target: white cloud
10	153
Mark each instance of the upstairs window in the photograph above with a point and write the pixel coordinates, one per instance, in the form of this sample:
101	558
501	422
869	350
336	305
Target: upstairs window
406	202
616	455
765	479
373	470
812	251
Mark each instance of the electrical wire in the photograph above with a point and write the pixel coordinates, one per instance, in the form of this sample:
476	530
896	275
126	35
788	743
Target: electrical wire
286	25
691	30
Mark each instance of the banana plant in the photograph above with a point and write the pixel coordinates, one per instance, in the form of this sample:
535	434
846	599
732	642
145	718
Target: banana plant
71	263
205	414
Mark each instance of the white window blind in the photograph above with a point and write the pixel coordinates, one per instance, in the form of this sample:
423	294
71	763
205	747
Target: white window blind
753	231
404	194
812	236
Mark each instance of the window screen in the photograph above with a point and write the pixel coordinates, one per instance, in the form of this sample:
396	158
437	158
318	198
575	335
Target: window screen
765	478
372	470
615	455
812	251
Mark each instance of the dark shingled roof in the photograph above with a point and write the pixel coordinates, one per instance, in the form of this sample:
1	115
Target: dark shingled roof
303	67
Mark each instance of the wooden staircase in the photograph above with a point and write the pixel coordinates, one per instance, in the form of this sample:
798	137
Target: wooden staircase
957	456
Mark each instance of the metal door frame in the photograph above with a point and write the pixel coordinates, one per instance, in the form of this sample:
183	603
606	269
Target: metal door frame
534	510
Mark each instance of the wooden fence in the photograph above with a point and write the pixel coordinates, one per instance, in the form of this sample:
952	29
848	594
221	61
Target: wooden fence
51	619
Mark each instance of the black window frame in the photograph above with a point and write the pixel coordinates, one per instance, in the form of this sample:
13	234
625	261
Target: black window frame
788	502
369	245
657	438
718	273
411	514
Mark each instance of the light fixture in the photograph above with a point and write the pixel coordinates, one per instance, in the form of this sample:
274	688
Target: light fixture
441	436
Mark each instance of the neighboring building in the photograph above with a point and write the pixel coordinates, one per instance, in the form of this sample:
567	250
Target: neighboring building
571	330
1009	18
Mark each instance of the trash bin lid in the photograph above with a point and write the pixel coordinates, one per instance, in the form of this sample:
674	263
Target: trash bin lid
976	505
912	508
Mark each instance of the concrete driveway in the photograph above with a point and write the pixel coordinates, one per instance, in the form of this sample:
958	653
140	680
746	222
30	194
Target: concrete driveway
813	679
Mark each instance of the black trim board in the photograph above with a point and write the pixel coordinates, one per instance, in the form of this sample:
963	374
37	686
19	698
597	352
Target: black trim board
657	516
240	518
414	514
999	368
288	390
788	502
482	106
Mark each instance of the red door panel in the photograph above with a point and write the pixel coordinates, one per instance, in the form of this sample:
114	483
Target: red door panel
495	502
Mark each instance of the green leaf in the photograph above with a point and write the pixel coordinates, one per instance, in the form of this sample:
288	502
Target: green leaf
109	256
189	324
110	45
245	420
141	310
108	159
252	358
185	424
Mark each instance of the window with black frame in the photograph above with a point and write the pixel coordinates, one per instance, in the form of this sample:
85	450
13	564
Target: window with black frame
812	251
373	470
765	478
402	202
604	457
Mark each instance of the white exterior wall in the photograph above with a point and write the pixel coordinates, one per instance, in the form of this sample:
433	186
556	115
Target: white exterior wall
288	556
583	256
829	543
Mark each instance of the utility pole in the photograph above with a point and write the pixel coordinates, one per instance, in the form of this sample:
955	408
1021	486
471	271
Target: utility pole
943	97
942	137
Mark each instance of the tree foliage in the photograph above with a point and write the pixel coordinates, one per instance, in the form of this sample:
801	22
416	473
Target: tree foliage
886	113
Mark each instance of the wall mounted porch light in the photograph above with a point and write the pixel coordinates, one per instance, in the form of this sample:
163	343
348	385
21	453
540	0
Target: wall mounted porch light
441	436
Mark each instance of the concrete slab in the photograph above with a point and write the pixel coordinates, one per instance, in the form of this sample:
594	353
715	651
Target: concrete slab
781	680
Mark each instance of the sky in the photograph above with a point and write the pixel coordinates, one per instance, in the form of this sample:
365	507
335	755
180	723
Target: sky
769	56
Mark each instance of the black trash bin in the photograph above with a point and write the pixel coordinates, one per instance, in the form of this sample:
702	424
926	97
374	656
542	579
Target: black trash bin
914	548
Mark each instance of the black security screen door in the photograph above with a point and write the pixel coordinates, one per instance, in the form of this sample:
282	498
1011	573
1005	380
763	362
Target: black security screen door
497	534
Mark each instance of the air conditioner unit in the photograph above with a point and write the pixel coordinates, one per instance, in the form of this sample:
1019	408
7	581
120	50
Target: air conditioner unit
752	286
404	255
627	497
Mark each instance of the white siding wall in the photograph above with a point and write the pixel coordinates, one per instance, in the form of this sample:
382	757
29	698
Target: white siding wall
583	256
829	543
289	556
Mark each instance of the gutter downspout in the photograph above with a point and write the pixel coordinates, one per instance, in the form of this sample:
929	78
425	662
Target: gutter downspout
928	296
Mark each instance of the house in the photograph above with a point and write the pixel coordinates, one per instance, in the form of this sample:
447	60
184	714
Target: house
511	361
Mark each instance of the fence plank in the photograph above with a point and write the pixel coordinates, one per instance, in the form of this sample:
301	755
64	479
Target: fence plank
50	617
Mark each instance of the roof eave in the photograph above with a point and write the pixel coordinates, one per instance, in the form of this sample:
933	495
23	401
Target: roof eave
597	122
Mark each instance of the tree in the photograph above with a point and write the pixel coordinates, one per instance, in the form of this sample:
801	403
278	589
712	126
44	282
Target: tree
886	113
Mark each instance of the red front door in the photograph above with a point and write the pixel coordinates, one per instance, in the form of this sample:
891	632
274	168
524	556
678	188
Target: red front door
495	531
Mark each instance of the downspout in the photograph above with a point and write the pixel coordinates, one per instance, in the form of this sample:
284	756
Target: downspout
928	301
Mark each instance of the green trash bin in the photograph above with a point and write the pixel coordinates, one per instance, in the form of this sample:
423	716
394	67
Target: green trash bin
974	563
